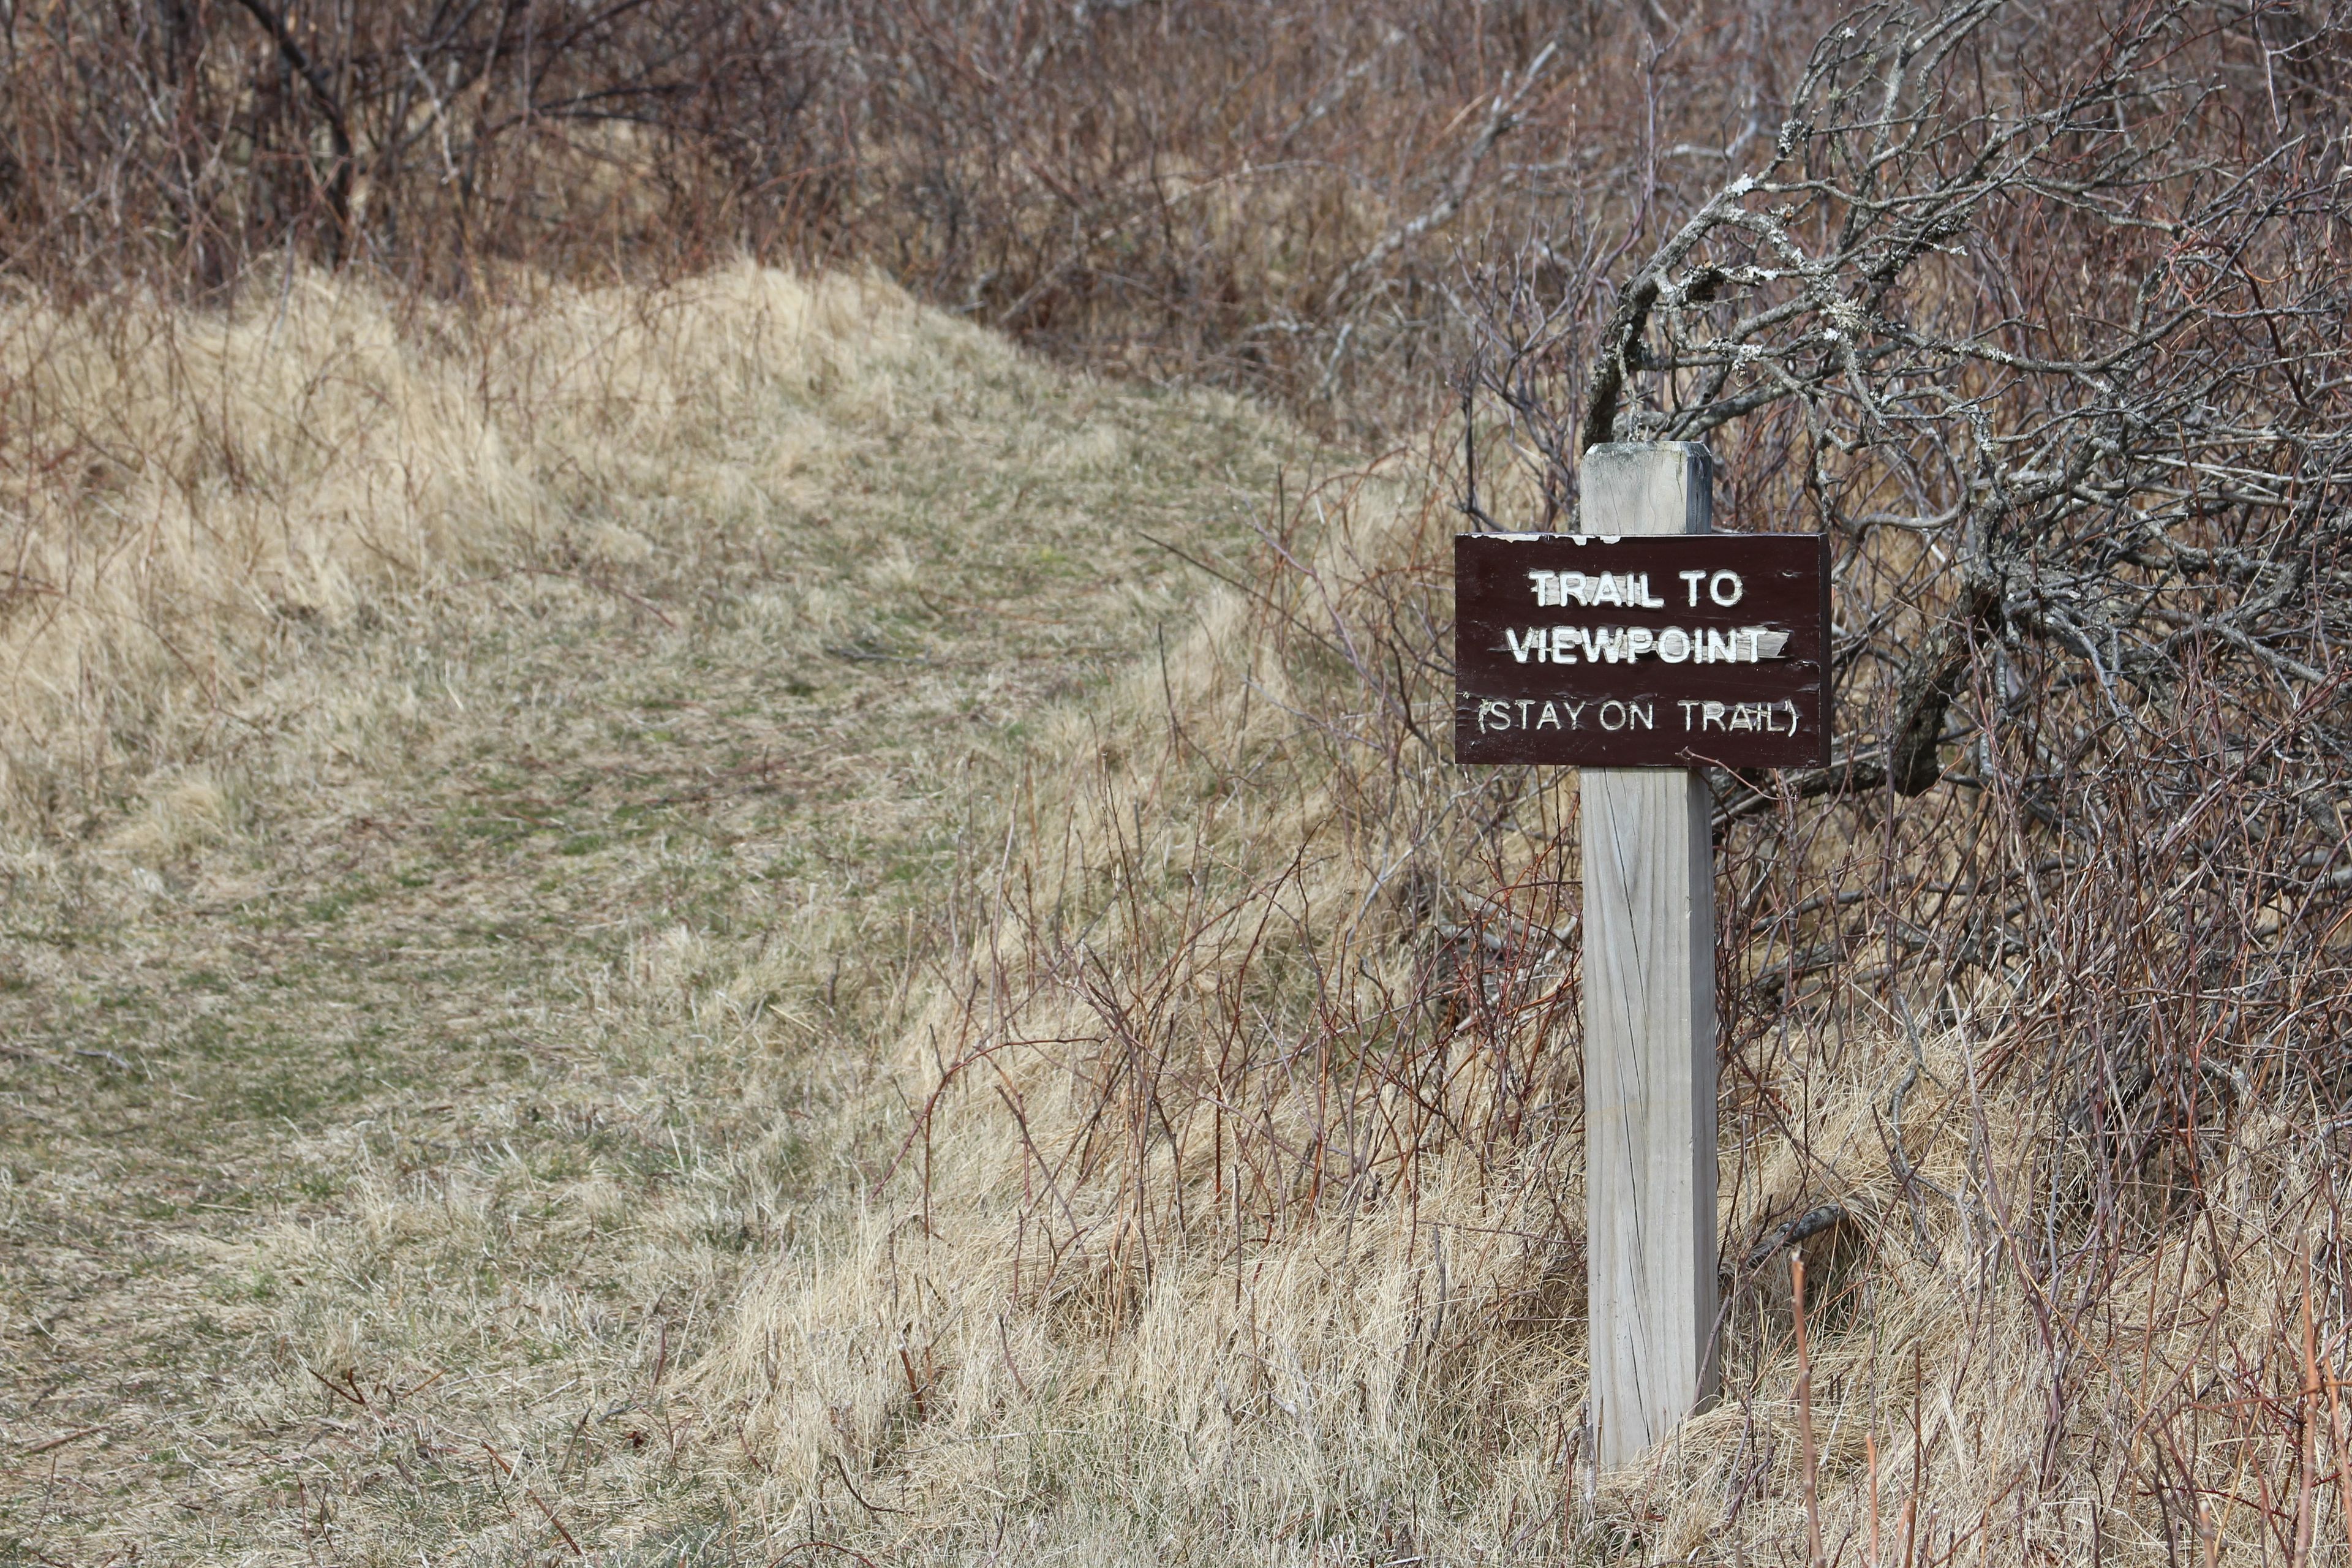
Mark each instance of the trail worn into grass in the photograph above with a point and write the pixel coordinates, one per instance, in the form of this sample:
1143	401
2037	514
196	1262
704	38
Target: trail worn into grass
394	1095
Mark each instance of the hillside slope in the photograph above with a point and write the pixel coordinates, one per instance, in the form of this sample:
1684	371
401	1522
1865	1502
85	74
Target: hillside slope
1236	1212
731	925
483	793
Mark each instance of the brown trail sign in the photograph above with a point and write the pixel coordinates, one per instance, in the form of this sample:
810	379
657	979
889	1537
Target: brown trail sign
1673	651
1641	651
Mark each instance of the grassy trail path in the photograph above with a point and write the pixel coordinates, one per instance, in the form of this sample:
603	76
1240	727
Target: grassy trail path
388	1111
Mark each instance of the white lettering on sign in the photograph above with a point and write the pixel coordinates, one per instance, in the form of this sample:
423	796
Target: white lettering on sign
1497	715
1634	715
1631	590
1624	645
1627	589
1772	718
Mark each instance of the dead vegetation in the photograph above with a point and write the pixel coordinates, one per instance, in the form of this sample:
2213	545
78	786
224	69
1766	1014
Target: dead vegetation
414	1036
1269	197
1243	1162
1189	1166
1239	1208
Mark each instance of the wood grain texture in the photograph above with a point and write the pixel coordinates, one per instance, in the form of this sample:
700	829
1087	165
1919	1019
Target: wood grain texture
1649	1031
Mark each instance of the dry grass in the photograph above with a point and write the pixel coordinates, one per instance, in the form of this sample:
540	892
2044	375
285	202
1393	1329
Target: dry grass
1268	196
647	921
1238	1214
417	1017
795	981
180	488
785	976
188	490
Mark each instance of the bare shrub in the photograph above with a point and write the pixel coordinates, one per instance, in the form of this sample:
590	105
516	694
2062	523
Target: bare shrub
1245	1148
2055	357
1239	1157
1266	195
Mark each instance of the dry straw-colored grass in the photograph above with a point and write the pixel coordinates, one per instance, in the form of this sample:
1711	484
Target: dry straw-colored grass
177	486
1237	1215
626	774
405	1071
182	492
1216	1197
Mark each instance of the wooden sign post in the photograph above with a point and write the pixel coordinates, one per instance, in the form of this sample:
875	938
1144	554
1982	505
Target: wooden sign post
1643	659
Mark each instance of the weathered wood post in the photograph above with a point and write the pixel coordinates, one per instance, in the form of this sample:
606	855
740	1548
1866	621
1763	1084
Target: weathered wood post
1644	649
1649	1029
